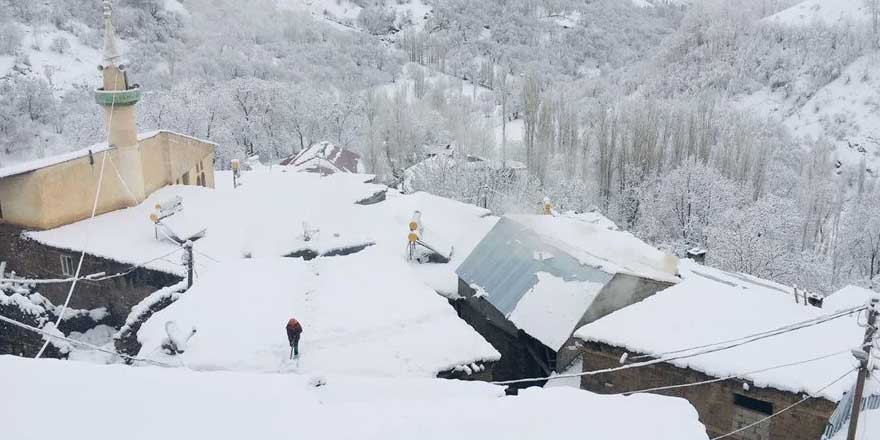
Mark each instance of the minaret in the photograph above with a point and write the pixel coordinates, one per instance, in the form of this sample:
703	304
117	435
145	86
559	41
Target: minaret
118	98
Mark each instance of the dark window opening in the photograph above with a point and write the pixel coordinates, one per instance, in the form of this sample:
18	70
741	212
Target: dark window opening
1	210
185	178
67	267
753	404
204	182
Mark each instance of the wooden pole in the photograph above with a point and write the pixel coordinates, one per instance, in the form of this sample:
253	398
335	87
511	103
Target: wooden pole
863	369
188	246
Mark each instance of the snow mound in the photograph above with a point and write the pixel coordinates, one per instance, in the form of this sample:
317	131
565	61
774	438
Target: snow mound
176	403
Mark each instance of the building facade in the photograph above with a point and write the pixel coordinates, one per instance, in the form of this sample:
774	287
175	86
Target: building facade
59	190
67	188
723	406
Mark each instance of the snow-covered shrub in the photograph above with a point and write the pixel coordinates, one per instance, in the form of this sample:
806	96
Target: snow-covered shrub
20	303
60	45
10	37
377	20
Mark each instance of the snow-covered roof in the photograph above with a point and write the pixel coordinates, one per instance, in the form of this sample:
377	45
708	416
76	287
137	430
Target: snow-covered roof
248	220
849	296
594	244
711	306
251	221
178	403
363	314
441	165
325	158
33	165
373	308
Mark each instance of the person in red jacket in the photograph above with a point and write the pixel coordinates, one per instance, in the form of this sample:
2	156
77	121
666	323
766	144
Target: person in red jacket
294	330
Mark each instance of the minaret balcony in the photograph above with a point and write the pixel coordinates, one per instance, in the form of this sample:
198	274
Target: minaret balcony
118	97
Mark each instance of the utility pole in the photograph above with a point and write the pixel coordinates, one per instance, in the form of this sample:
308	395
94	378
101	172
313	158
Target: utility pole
188	260
864	360
236	172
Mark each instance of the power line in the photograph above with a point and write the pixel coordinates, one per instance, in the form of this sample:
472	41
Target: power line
764	334
783	409
706	349
84	344
207	256
734	376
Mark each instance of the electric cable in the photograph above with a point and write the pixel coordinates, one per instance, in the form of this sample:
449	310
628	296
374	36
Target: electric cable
734	376
704	349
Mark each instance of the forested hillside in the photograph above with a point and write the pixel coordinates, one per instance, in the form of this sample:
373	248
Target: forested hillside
749	128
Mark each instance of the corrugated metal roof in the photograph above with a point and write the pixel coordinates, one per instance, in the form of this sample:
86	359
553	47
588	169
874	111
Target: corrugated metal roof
506	261
841	415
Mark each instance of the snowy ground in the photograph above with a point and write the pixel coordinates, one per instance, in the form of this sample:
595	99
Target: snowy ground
151	403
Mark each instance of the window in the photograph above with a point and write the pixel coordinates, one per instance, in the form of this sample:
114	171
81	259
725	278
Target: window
204	182
753	404
67	267
1	211
747	411
185	178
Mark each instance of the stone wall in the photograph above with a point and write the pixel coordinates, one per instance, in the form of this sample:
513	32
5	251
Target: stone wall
31	259
714	402
22	342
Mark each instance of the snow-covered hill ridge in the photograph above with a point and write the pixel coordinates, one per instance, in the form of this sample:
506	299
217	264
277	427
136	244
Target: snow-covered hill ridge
824	11
846	111
346	14
57	56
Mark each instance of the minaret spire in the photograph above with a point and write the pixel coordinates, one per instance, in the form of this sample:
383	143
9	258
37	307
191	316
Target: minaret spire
118	98
112	56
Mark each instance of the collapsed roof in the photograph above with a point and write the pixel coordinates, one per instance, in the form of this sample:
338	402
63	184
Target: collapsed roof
325	158
543	272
